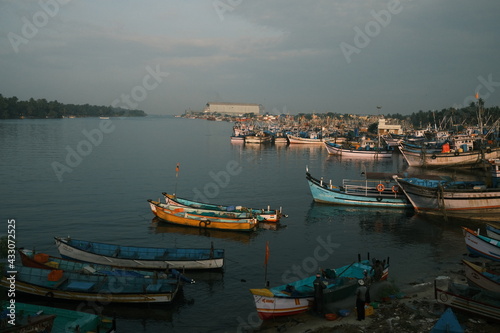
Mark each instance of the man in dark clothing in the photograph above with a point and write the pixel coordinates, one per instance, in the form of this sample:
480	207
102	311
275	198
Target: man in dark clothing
360	300
368	281
319	285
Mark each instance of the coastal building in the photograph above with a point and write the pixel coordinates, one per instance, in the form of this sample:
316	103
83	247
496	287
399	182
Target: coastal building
234	109
384	128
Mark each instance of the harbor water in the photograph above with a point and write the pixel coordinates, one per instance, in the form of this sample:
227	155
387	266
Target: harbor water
90	179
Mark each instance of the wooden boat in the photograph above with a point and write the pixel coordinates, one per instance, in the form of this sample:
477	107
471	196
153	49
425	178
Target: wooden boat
481	276
44	261
447	323
459	199
265	215
375	153
68	320
422	158
295	139
259	138
180	216
30	324
493	230
135	257
466	298
481	245
367	192
298	296
61	285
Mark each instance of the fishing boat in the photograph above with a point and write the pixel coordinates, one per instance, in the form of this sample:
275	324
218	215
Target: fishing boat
26	324
455	158
448	198
68	320
493	230
366	192
470	299
265	215
481	277
481	245
298	296
61	285
136	257
42	260
182	216
360	152
311	139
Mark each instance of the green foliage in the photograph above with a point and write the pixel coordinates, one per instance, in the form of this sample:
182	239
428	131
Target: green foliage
12	108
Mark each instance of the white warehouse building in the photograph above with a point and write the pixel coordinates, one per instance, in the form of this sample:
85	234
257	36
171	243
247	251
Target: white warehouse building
233	108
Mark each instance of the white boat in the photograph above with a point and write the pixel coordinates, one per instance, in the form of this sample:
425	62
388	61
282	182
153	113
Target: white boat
459	199
481	245
360	152
481	277
294	139
456	158
493	230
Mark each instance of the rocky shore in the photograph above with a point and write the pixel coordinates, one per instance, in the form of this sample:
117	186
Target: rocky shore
410	310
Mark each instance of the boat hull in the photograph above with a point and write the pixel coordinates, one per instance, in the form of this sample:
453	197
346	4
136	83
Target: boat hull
333	195
417	158
480	277
265	215
292	139
334	149
468	304
203	261
493	230
481	246
479	204
198	221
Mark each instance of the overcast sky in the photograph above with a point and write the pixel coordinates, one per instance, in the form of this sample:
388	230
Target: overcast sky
291	56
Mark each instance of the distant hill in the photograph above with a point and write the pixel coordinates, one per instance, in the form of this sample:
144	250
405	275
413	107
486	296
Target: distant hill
13	108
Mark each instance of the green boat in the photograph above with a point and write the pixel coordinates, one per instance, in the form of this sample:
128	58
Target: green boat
67	321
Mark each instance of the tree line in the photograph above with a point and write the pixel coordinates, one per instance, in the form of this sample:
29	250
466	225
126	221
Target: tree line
13	108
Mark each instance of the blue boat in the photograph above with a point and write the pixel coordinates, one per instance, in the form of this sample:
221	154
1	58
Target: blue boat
368	193
69	286
138	257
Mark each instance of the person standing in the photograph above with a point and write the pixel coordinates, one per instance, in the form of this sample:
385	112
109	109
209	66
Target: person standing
361	300
319	285
368	281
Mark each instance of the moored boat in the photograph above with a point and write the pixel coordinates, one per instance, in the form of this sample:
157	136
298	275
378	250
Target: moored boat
493	230
264	214
298	296
481	277
180	216
58	284
44	261
422	158
136	257
43	323
469	299
295	139
68	320
367	193
360	152
481	245
459	199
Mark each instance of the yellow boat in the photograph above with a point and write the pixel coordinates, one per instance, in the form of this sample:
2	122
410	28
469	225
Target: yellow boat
192	219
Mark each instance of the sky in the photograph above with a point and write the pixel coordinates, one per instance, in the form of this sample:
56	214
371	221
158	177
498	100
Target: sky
291	56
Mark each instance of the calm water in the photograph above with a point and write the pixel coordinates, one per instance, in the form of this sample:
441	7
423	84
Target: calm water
100	194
